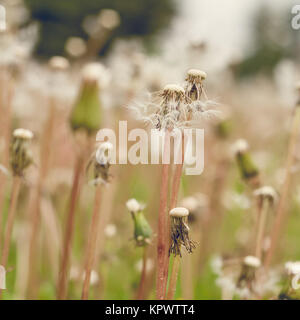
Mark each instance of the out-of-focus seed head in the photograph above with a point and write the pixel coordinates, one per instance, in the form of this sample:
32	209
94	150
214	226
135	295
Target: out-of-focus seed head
23	134
252	262
292	267
240	146
101	161
266	192
58	63
75	47
109	19
133	205
21	157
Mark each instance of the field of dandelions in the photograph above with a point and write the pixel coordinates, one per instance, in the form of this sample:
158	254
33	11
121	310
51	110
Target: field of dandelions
75	226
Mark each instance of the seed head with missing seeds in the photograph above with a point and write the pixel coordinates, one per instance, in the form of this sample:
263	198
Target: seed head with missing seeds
21	157
180	232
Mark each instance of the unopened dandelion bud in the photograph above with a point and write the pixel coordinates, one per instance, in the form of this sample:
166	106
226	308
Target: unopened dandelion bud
58	63
142	229
21	157
244	160
180	231
86	113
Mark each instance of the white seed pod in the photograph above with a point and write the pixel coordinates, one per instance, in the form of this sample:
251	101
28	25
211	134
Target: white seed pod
292	268
179	212
59	63
266	192
23	134
240	146
110	230
197	74
133	205
251	261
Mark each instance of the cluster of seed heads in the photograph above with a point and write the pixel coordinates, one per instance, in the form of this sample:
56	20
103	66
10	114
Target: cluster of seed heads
179	106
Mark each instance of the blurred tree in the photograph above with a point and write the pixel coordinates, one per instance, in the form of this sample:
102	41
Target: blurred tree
274	39
61	19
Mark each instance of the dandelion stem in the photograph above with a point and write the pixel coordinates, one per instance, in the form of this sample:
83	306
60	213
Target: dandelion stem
92	244
281	210
173	203
63	274
162	250
142	285
262	218
173	278
10	219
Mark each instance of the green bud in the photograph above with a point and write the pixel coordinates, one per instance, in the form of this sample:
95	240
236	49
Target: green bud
246	165
142	229
86	113
223	128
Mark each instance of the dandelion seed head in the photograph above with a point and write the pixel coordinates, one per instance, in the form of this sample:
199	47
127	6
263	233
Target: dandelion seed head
59	63
96	72
252	262
109	19
240	146
266	192
196	75
179	212
292	267
133	205
23	134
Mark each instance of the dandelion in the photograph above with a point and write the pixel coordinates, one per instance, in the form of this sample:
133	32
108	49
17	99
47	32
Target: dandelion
101	173
142	237
248	170
247	276
20	160
85	121
179	237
